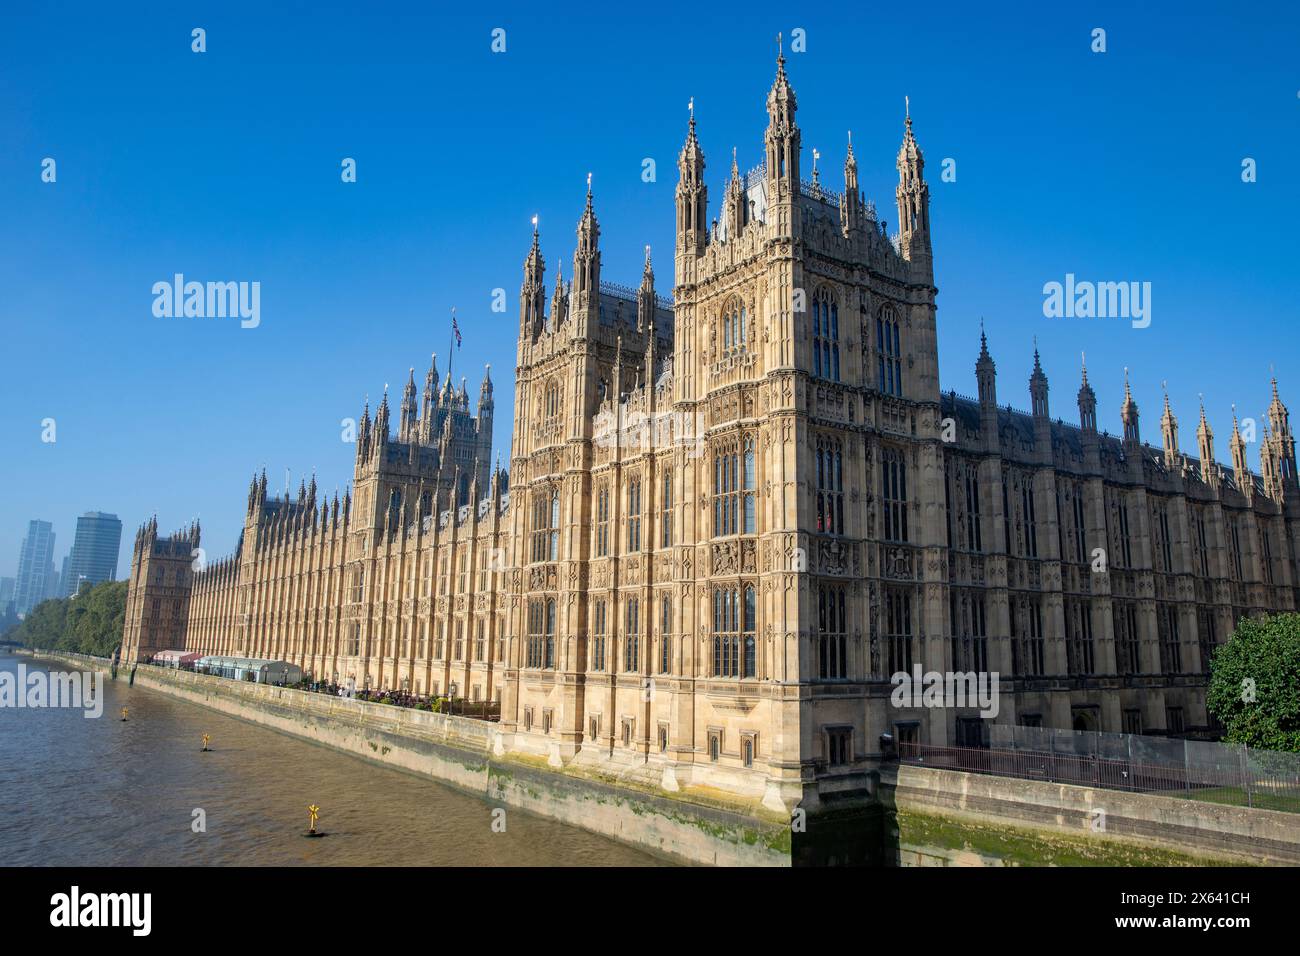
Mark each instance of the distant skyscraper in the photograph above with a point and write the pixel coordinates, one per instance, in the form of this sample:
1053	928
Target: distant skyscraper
6	593
35	566
94	552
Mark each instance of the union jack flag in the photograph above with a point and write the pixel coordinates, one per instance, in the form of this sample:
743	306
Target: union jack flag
455	328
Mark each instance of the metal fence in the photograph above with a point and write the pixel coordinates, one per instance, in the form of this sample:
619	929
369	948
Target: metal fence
1203	770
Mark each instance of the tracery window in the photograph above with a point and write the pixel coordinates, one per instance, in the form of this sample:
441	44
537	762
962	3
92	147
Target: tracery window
734	325
826	336
598	638
734	627
830	486
632	637
889	355
602	521
832	632
546	527
893	479
734	484
541	633
634	515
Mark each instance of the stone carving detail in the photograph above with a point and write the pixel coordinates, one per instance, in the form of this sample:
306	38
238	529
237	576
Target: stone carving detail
898	564
834	557
726	558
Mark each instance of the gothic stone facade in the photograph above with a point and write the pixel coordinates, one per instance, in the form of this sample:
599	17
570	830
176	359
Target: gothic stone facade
732	517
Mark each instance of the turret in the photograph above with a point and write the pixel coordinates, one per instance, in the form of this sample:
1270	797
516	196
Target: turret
851	215
1279	421
1169	435
986	379
1205	448
645	297
692	199
1128	414
1087	404
430	400
734	206
782	138
1038	390
406	424
532	294
913	195
585	292
1240	472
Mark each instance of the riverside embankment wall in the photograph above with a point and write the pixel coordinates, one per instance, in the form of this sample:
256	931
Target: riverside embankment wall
930	817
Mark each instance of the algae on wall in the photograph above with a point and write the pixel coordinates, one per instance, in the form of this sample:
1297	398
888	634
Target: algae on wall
1023	846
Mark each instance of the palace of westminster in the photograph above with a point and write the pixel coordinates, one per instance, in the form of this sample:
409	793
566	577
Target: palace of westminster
731	516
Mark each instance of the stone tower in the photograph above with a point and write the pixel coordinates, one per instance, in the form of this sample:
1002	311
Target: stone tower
157	610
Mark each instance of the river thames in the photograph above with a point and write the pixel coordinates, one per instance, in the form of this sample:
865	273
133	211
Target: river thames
102	792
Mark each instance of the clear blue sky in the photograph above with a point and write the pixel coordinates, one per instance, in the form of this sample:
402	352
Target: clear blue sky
225	166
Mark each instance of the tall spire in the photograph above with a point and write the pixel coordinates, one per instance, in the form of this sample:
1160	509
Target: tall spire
913	197
734	205
586	265
645	298
986	373
532	294
1038	388
1087	401
1169	432
691	196
407	420
1205	447
1240	471
1129	414
782	136
851	200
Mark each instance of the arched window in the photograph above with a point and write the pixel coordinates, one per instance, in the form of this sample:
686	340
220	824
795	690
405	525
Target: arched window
832	633
552	402
632	637
826	336
602	522
888	352
546	527
734	627
665	631
830	486
893	494
634	515
734	483
598	637
735	325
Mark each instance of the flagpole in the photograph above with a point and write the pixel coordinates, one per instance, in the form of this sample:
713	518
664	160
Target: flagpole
451	347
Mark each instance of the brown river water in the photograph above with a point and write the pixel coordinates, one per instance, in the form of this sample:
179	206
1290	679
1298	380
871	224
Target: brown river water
100	792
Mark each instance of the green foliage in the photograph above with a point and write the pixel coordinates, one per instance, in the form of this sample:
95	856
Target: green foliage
1260	661
90	623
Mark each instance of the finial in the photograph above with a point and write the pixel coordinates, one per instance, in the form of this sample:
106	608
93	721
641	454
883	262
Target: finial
690	105
588	185
534	224
780	53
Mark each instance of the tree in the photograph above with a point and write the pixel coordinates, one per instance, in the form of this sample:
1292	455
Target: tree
1255	683
90	623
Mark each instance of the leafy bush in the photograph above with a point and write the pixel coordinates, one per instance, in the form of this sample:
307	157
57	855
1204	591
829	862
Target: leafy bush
1255	683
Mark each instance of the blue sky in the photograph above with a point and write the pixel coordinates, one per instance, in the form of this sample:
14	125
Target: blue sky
225	166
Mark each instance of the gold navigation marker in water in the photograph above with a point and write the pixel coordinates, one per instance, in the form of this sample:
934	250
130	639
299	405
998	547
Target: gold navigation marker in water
124	713
314	811
206	738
